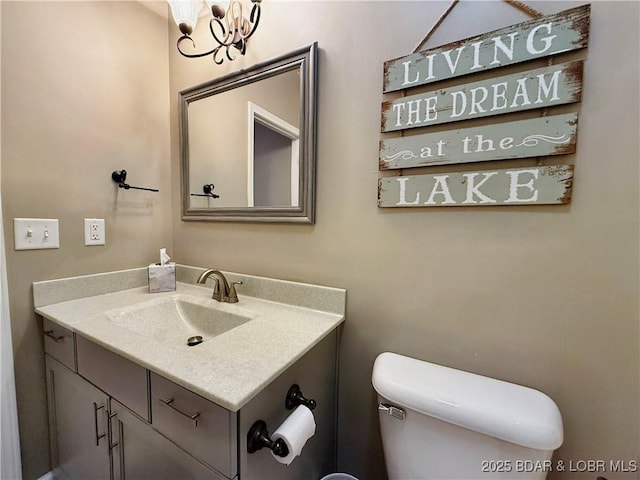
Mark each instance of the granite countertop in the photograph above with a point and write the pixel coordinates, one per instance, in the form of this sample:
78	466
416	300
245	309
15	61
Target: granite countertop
229	369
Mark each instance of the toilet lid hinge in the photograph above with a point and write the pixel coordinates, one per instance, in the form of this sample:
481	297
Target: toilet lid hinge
395	412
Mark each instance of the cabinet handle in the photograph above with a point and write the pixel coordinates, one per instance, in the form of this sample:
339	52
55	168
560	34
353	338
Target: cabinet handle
115	445
169	403
112	445
95	423
53	336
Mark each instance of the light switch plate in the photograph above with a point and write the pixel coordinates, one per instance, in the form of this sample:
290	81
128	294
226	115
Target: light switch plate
94	231
36	233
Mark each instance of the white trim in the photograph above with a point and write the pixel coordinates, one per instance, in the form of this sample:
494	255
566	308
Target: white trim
10	461
284	128
48	476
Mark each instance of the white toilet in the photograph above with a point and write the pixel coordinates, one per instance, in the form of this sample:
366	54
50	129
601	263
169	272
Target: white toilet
441	423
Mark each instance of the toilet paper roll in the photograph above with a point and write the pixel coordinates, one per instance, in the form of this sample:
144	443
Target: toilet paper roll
295	431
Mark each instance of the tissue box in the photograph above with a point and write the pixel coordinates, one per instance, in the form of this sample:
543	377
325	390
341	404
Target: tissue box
162	278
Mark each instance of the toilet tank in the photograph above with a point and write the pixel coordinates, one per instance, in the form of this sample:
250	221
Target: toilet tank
441	423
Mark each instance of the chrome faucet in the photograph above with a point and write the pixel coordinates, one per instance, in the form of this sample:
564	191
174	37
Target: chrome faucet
223	291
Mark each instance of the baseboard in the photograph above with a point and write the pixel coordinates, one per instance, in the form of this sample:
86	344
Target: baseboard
48	476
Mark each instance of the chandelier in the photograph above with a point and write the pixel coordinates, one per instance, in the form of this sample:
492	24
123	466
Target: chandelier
228	25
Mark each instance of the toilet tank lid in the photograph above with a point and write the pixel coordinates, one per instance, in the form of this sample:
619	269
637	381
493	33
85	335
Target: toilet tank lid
503	410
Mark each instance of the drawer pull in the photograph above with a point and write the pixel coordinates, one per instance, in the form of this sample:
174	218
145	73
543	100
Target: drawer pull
53	336
169	403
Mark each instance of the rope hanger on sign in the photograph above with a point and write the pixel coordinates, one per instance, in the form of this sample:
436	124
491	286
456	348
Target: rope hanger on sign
532	12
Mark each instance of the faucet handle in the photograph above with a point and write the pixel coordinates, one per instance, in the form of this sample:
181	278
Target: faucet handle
233	295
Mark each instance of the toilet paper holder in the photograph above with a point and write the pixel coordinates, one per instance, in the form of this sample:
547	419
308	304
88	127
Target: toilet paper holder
258	438
295	398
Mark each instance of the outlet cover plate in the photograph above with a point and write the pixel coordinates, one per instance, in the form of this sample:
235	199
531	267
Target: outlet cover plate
94	231
36	233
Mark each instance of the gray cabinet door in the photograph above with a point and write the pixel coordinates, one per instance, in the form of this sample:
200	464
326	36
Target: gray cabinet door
141	453
78	425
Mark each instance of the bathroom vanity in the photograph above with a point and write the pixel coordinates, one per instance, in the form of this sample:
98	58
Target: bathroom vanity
129	398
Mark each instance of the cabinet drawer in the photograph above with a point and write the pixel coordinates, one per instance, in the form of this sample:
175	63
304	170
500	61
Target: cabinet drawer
58	342
139	452
202	428
122	379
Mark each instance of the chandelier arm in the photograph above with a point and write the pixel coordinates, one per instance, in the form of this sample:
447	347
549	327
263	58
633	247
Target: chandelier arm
215	53
241	34
239	29
231	59
191	55
255	13
241	45
227	34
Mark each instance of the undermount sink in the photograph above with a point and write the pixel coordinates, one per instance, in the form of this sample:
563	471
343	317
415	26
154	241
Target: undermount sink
180	319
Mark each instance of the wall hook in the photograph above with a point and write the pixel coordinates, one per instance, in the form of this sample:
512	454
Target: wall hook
207	188
295	398
119	176
258	437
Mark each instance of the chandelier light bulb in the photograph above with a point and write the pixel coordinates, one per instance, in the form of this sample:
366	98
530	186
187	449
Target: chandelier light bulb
185	14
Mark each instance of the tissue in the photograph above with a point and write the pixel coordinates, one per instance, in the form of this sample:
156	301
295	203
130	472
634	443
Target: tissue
164	258
298	427
162	276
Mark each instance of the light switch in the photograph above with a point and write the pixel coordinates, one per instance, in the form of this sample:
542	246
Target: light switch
36	233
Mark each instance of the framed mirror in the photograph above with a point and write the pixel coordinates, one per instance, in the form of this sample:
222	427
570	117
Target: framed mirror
248	144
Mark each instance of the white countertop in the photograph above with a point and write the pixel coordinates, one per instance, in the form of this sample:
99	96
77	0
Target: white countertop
229	369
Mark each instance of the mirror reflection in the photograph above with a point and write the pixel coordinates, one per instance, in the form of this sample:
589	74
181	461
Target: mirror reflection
248	150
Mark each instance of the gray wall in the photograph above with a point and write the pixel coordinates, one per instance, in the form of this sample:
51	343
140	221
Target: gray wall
542	296
84	92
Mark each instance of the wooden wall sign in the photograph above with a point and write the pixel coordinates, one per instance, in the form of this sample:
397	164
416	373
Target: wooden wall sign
536	137
537	88
542	37
523	186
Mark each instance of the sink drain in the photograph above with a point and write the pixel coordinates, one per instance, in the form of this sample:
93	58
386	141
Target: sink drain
193	341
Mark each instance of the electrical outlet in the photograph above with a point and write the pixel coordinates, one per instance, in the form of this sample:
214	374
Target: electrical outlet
94	231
